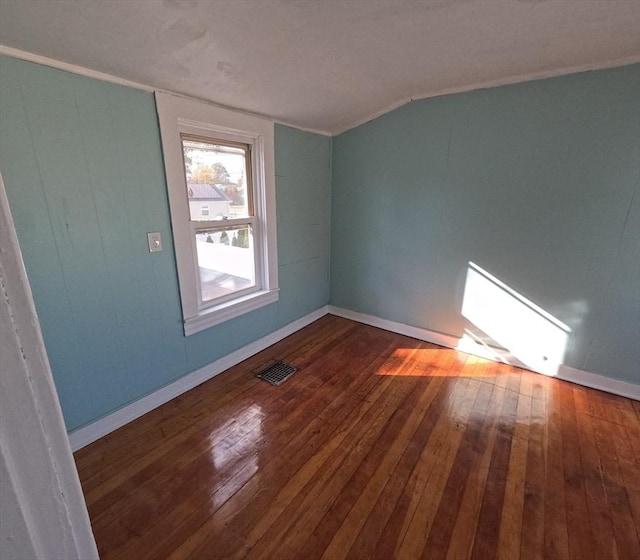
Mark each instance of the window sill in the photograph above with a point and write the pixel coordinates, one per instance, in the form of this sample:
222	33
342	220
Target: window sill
229	310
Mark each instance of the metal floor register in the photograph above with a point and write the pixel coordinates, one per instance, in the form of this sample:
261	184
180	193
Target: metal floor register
277	373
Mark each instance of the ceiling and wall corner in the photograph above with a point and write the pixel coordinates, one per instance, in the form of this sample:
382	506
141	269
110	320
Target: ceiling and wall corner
319	65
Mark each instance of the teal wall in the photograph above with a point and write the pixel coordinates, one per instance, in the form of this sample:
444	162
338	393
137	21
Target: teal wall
82	164
538	183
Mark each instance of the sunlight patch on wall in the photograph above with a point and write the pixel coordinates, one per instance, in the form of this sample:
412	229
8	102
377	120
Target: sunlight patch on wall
530	334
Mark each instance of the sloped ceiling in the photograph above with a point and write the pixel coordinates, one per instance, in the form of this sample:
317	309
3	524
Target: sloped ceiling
326	65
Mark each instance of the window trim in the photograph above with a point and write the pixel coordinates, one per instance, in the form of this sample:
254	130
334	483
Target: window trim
180	115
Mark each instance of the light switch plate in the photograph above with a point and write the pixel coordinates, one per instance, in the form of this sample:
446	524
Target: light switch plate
155	242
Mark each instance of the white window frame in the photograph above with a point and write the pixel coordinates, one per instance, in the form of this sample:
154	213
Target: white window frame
203	208
178	115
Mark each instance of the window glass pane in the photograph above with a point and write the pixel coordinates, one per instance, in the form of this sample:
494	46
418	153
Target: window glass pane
225	261
216	174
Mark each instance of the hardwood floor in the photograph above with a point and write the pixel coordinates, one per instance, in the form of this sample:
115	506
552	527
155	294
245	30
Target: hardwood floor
381	446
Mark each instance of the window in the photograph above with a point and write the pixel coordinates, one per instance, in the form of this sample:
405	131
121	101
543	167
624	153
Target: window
221	182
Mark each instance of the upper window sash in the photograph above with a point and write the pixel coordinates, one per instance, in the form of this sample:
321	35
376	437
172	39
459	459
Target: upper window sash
204	144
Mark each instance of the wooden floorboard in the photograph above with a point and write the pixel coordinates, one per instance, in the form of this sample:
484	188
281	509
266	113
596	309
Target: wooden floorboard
380	446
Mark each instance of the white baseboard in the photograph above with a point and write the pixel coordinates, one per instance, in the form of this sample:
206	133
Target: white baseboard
600	382
440	339
566	373
107	424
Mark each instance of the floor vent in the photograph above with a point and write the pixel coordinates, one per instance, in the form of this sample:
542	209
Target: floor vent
277	373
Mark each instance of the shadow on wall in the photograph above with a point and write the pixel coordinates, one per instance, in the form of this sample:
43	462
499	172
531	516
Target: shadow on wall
508	327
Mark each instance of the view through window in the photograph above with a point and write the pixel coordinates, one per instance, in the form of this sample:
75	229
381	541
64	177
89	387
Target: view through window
219	191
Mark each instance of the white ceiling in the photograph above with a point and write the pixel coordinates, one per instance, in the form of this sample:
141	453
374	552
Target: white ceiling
326	65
